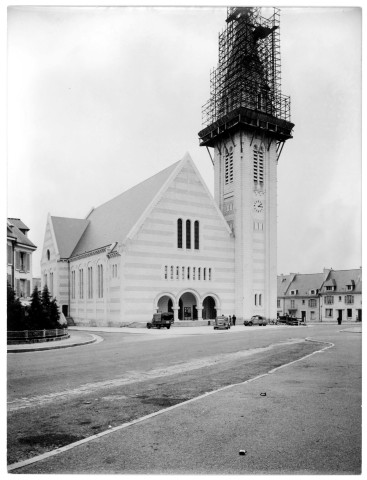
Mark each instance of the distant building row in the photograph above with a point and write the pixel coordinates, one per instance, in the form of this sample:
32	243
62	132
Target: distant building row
321	297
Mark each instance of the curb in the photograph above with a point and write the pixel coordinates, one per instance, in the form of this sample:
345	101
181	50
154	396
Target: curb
56	347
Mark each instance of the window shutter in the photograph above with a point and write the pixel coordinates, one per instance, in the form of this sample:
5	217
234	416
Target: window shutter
17	260
9	279
10	259
27	262
17	287
28	288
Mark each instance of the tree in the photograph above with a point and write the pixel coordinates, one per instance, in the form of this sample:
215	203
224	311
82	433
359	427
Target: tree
46	307
36	315
16	319
54	314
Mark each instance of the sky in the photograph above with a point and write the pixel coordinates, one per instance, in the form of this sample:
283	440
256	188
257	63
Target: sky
101	98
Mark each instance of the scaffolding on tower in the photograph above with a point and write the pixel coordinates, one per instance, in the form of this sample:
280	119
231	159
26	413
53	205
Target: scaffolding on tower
246	85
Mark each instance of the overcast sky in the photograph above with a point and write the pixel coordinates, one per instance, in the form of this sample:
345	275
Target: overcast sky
100	99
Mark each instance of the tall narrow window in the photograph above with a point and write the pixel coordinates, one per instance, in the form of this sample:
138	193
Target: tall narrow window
258	164
183	273
81	283
166	272
188	233
171	272
193	273
204	273
196	234
255	299
188	273
199	272
73	284
90	282
179	233
228	168
210	274
260	299
100	281
177	273
51	284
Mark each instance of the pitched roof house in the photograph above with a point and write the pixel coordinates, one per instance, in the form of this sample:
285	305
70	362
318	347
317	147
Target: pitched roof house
19	257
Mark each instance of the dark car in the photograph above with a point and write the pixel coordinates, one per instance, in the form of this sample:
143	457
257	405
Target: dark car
222	323
256	320
287	320
159	320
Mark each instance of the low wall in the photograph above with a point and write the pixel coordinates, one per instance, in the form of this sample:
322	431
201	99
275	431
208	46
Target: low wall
36	336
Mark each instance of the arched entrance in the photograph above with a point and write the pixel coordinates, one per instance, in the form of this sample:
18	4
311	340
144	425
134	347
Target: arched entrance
187	307
209	311
165	304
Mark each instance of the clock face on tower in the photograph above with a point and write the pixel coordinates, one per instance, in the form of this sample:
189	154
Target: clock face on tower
258	206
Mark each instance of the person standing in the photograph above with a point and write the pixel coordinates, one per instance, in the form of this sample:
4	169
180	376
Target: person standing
233	320
230	320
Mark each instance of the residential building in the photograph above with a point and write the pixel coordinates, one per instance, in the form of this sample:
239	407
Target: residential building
19	257
321	297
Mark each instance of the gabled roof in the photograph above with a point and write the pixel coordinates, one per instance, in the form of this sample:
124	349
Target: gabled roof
304	282
112	221
341	278
18	223
283	282
67	233
14	232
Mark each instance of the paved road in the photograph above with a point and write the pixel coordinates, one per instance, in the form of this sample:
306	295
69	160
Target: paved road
308	422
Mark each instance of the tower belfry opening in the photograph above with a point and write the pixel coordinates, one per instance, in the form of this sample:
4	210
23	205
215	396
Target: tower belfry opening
245	88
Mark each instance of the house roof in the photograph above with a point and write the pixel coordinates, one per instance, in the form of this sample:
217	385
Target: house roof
67	233
283	282
341	278
15	233
304	282
18	223
112	221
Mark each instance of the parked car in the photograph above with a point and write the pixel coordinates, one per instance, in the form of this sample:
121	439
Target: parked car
288	320
159	320
222	323
256	320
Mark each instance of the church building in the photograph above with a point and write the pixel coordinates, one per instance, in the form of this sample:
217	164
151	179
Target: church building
166	244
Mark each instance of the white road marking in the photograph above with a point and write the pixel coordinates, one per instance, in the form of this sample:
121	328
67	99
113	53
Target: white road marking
44	456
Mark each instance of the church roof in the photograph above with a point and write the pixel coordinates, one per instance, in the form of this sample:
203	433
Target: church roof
68	232
113	220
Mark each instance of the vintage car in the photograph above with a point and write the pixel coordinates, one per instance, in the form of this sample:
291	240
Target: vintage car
256	320
288	320
222	323
159	320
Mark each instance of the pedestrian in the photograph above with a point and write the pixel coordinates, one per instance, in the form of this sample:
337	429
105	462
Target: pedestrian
230	320
233	320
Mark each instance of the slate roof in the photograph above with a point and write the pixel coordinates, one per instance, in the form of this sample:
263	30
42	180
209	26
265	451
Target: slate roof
304	282
18	223
113	220
341	278
68	232
15	233
283	282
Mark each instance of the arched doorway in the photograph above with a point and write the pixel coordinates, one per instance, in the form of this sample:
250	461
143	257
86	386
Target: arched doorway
209	311
187	307
165	304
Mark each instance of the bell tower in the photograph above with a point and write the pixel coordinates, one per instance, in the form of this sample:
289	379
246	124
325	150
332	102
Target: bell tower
247	121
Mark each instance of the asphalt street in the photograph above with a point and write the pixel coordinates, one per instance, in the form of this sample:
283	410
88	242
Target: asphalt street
304	417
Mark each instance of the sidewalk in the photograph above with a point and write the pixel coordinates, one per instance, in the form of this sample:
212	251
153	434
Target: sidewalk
76	339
